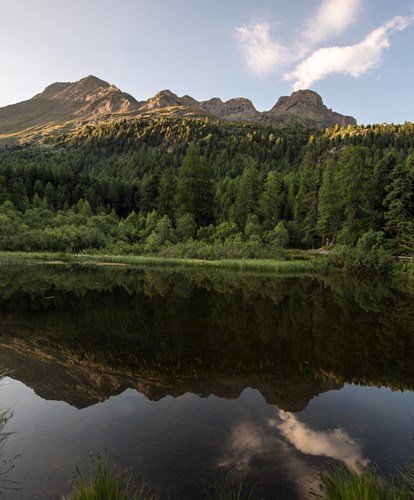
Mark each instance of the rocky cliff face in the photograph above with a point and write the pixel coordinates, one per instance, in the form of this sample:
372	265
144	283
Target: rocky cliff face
307	108
91	95
63	106
304	107
239	109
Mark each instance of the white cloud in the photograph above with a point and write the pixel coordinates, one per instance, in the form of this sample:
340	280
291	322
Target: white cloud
335	444
332	18
261	53
353	60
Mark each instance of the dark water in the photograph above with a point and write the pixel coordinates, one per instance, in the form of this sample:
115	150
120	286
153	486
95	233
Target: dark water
185	374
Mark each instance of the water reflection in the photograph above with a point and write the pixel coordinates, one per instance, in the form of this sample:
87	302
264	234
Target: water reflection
335	443
181	372
187	327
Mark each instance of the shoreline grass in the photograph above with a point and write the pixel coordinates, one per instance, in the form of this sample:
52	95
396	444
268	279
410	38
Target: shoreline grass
107	481
345	484
280	266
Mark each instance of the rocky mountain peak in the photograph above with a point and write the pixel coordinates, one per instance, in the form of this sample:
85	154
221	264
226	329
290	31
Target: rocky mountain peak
238	108
67	105
162	99
306	107
81	90
299	101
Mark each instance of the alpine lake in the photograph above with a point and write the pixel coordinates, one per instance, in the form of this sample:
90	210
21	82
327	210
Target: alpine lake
185	374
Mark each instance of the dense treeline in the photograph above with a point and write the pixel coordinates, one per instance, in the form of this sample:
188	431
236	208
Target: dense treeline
209	188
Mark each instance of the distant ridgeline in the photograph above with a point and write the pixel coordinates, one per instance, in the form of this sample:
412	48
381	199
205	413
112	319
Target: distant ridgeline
208	187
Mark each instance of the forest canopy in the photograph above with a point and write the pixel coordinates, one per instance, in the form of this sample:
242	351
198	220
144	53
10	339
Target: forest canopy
238	189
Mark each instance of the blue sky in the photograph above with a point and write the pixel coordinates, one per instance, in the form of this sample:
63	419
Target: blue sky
358	54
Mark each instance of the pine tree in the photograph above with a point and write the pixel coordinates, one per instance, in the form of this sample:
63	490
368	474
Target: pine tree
194	193
329	208
271	200
166	193
355	189
247	195
306	201
399	202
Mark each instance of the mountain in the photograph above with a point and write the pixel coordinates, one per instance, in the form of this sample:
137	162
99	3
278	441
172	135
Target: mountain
306	108
64	106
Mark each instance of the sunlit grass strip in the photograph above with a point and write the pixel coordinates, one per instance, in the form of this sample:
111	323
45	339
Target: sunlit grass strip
280	266
30	257
344	484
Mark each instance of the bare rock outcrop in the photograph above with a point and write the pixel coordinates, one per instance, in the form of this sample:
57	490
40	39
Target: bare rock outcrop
63	106
306	108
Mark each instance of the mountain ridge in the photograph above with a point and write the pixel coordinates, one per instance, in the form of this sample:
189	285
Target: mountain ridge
63	106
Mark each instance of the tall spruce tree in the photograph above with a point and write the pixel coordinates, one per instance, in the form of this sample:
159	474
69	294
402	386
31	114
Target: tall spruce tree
247	195
306	201
399	202
271	200
194	193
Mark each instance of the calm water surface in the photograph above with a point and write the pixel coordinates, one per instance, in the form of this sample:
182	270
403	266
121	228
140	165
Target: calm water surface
184	374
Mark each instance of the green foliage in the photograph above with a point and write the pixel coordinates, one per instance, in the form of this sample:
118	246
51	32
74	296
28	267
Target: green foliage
247	194
399	202
354	183
271	201
194	193
163	234
186	228
329	206
278	237
109	185
307	199
368	257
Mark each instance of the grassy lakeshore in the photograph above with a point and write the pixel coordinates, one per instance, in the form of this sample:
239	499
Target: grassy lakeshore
294	262
312	265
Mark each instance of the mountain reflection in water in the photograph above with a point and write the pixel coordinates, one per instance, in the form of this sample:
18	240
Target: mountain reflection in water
222	361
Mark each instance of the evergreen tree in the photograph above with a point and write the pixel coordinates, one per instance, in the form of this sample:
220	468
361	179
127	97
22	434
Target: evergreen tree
399	202
355	183
307	198
194	193
166	193
186	228
247	195
329	207
271	200
149	193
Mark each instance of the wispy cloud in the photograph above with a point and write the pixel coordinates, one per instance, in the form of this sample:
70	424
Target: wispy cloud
354	60
332	18
335	444
261	53
304	63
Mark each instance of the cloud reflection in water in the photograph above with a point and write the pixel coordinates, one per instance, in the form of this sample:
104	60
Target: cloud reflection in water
331	443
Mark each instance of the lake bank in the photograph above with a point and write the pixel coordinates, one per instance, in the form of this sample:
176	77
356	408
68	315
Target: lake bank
297	262
312	264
